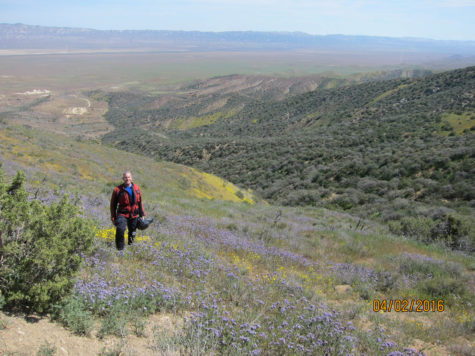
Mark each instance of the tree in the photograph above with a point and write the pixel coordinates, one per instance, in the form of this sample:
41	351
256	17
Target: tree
41	248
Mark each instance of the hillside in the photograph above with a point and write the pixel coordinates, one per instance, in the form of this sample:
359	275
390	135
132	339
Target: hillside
375	171
396	150
216	276
58	164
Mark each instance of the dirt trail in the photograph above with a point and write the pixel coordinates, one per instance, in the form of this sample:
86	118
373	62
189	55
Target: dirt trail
22	337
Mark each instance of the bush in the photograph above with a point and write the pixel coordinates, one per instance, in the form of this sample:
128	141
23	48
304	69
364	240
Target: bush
75	316
455	231
115	322
421	267
448	289
40	248
417	227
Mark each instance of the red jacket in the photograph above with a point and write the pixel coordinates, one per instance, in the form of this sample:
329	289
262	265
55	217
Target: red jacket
120	202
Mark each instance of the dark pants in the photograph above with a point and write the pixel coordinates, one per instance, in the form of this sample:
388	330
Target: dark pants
121	223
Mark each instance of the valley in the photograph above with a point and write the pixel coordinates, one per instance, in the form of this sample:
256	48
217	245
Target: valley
288	196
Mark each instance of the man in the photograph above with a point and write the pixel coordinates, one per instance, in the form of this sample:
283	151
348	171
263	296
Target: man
126	208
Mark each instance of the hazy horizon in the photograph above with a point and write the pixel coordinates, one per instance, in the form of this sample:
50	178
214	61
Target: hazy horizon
239	31
437	20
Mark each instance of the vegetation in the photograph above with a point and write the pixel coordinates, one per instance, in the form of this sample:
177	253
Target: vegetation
235	275
397	150
254	282
40	248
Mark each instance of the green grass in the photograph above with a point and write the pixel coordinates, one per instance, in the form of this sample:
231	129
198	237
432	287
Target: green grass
459	123
192	122
60	161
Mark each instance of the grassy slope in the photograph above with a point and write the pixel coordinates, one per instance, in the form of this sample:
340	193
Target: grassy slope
78	166
278	253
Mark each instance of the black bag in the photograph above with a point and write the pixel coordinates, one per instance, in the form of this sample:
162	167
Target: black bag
142	223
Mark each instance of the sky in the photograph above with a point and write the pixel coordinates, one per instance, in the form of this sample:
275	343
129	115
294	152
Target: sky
436	19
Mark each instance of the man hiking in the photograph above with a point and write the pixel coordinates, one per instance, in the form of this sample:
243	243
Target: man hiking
126	208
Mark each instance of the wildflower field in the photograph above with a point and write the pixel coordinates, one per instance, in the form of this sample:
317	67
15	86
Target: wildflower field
245	277
254	280
255	283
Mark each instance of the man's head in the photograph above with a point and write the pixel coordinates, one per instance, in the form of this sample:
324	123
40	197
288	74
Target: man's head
127	178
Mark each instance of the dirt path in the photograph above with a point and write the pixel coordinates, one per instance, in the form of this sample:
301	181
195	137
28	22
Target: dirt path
22	337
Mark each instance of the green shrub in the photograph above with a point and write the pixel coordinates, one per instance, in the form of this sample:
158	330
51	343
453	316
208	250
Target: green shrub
138	323
417	227
455	232
40	248
447	289
74	315
423	267
452	230
115	323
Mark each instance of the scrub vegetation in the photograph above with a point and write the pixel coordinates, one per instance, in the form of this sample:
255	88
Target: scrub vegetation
291	215
400	151
41	247
238	277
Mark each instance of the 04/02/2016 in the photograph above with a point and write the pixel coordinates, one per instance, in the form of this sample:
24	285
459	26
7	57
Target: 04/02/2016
405	305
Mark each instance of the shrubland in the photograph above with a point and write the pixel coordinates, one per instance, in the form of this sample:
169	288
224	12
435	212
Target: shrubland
237	276
399	151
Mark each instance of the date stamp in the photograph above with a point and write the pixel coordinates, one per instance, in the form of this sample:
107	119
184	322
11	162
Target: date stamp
408	305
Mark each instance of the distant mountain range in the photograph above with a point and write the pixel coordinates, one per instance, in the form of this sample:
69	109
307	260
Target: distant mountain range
20	36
